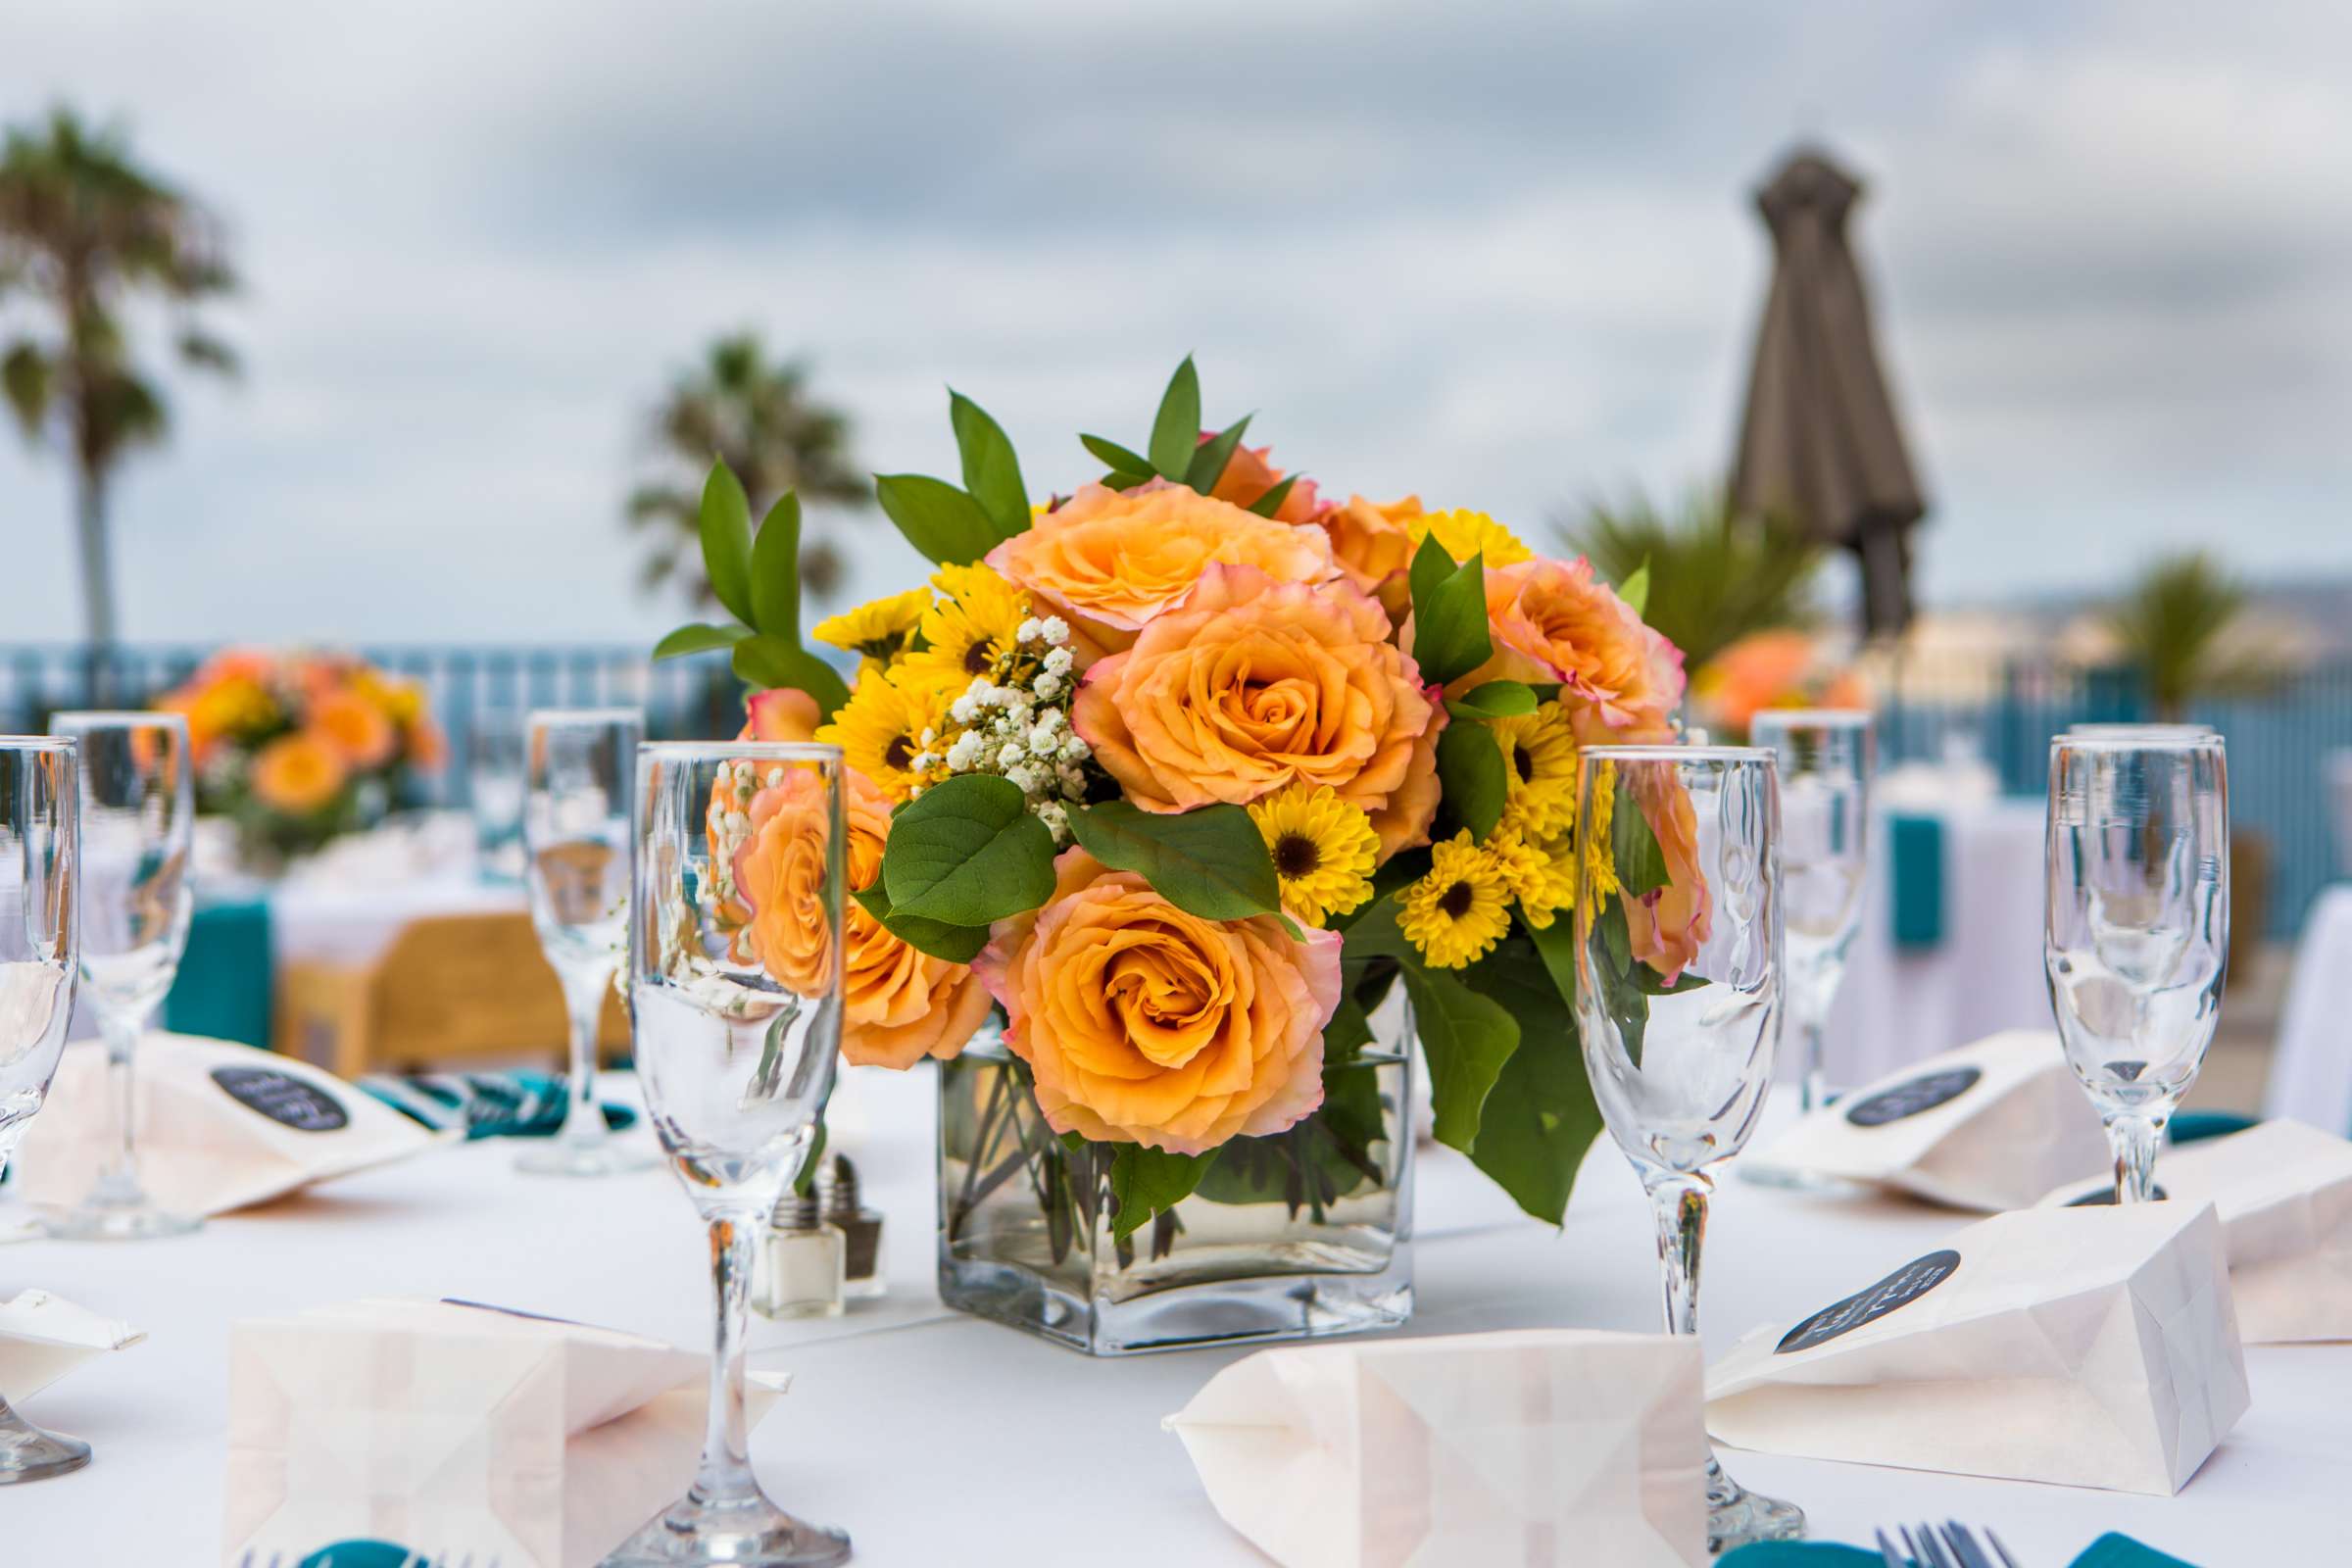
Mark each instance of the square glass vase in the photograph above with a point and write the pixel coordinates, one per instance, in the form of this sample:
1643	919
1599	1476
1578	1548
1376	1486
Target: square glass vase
1298	1235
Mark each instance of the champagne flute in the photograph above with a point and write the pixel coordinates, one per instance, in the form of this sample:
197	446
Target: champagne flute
1679	964
2137	927
576	829
139	815
735	971
40	960
496	777
1824	767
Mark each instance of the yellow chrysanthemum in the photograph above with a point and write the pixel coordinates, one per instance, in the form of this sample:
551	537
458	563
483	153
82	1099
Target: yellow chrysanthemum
1323	849
1540	751
970	631
880	630
1456	914
1542	878
880	731
1600	863
1468	533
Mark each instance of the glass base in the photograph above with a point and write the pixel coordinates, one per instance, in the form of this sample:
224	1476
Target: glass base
611	1158
107	1222
1737	1517
1216	1311
756	1535
28	1453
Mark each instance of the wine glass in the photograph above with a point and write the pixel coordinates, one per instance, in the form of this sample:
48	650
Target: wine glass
2133	730
496	776
39	961
1680	964
139	815
575	832
2135	935
735	972
1825	764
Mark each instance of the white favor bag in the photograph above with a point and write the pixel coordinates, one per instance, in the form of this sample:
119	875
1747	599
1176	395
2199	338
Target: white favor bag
2086	1347
221	1126
1564	1446
1990	1126
453	1429
43	1338
2284	1192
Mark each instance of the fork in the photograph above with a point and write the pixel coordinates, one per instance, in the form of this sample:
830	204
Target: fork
1953	1546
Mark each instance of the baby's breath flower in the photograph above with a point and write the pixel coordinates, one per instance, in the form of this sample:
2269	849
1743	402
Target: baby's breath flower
1057	630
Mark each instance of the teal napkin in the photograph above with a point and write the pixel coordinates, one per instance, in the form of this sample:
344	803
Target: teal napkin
1917	881
2191	1125
224	983
362	1554
488	1104
2110	1551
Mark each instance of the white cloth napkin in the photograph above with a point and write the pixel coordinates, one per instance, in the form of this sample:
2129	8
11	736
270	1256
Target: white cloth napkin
221	1126
1990	1126
2085	1346
443	1426
42	1337
2284	1194
1564	1446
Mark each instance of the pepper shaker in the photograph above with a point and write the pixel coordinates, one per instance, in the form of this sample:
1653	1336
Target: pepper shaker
861	1227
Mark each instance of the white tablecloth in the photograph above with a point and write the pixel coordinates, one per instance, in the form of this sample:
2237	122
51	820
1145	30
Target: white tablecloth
2311	1076
936	1439
1983	976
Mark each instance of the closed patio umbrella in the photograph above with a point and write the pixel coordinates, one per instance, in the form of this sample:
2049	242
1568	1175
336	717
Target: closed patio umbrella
1819	446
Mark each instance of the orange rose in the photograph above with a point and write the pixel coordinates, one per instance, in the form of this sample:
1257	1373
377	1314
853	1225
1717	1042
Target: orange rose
899	1004
1669	924
782	874
1110	562
357	726
429	749
1247	476
1551	620
1147	1025
1254	685
298	773
1375	548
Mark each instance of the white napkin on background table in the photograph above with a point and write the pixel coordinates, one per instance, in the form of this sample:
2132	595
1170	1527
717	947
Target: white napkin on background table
43	1338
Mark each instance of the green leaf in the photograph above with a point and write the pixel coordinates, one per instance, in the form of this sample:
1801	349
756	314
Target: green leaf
991	471
776	570
1647	981
1496	698
1210	456
772	663
726	522
1539	1119
1475	777
945	523
1348	1033
1635	590
1176	429
1116	457
1450	614
699	637
1270	503
1556	947
967	853
1211	863
958	944
814	1161
1124	481
1620	998
1145	1182
1634	847
1465	1038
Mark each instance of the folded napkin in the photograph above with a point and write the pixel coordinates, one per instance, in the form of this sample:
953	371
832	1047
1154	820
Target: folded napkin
221	1126
2110	1551
1990	1126
539	1442
488	1104
1916	880
225	984
1563	1447
2081	1347
2285	1195
43	1338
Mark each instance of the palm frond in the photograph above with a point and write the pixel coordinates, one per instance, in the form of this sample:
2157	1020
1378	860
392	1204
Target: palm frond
1714	575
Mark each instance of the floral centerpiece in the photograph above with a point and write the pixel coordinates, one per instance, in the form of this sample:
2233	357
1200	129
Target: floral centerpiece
1213	789
1779	668
296	747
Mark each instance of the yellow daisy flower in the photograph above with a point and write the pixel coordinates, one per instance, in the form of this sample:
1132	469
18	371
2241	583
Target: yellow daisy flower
970	633
1541	748
881	730
1602	864
1456	914
1323	849
1467	533
1542	878
881	630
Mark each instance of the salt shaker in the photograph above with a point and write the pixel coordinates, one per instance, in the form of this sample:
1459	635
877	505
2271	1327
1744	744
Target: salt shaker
803	1258
837	1190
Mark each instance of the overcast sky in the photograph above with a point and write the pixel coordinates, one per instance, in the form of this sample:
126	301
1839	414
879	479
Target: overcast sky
1499	255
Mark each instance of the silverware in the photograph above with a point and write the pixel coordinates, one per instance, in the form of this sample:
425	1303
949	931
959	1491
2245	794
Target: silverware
1888	1555
1924	1549
1964	1544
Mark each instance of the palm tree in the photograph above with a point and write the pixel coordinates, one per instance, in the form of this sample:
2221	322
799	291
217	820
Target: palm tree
2181	625
1714	576
83	226
760	418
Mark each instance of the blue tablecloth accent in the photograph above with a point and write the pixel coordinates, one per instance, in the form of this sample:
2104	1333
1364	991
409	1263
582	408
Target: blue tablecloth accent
2110	1551
226	980
1916	884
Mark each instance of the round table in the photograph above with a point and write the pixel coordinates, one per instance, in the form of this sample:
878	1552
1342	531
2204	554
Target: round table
938	1439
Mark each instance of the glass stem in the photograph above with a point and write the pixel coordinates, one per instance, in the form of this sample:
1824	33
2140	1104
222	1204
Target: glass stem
118	1184
2133	1139
1813	1088
584	1002
724	1478
1681	1202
